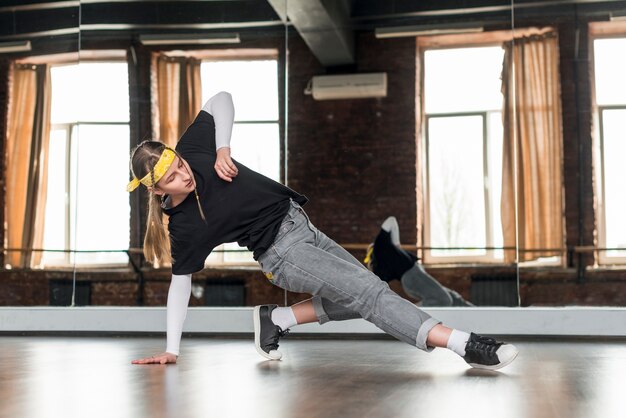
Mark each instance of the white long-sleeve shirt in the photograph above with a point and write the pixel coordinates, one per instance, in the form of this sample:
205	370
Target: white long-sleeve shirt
222	109
177	302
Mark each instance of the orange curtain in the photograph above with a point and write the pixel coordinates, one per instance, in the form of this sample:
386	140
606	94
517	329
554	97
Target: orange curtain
178	93
28	131
41	177
532	147
177	98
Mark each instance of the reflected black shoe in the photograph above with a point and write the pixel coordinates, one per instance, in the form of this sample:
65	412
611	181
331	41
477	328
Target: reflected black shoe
266	333
487	353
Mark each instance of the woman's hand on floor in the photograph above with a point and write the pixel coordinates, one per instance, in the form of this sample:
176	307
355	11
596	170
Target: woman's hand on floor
162	358
224	166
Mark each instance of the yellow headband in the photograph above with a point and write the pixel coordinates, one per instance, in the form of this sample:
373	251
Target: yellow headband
161	167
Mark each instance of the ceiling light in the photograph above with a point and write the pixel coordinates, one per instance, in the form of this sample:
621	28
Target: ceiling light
190	39
18	46
423	30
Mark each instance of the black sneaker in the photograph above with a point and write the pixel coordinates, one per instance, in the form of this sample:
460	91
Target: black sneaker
487	353
266	333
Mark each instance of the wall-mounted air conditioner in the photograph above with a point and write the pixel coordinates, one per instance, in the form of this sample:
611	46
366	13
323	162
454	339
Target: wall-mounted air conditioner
347	86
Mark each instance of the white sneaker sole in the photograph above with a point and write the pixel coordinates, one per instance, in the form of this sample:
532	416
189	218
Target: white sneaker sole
511	352
273	354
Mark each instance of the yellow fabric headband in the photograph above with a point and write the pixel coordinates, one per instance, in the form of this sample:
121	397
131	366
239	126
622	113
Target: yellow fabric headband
161	167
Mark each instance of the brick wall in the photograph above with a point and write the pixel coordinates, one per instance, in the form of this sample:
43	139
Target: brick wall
580	219
4	99
355	159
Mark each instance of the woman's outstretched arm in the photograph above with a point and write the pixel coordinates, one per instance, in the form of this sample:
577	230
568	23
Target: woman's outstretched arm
177	303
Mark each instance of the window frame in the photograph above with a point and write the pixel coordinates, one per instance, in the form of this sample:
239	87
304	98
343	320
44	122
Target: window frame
105	57
216	258
601	31
430	44
603	258
489	256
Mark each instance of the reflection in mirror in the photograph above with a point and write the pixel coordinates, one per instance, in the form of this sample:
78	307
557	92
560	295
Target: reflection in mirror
38	49
152	74
396	114
570	95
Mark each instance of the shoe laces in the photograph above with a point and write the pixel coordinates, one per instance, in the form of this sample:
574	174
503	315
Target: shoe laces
279	334
484	344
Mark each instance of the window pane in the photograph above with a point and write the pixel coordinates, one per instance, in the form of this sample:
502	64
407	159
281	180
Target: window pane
614	124
102	203
253	85
463	80
78	93
239	256
215	257
610	68
65	94
104	102
495	179
55	223
456	178
256	145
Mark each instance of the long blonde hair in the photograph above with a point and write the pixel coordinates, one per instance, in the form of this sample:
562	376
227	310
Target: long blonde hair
156	243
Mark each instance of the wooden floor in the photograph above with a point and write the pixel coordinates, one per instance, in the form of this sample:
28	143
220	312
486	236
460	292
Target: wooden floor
218	377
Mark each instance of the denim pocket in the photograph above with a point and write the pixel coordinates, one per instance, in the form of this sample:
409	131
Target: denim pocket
270	263
309	224
284	228
268	268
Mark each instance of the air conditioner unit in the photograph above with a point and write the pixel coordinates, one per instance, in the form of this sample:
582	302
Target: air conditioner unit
348	86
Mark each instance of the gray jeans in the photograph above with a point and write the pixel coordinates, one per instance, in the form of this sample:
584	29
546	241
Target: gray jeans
303	259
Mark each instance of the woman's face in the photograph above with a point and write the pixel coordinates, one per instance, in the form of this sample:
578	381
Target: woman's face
178	179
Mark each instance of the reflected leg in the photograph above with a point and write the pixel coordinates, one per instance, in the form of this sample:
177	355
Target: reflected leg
421	285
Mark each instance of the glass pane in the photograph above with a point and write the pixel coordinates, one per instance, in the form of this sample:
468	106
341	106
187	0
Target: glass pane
215	257
610	68
253	85
239	256
456	184
55	223
82	96
463	80
65	102
614	126
103	102
102	201
494	142
256	145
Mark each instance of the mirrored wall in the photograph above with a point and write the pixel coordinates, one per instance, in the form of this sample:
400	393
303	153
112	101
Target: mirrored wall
479	144
39	55
570	237
396	132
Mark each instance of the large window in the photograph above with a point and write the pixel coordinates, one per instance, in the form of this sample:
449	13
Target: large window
610	99
255	140
463	110
87	206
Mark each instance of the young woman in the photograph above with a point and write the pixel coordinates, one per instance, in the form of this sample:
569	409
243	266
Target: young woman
212	199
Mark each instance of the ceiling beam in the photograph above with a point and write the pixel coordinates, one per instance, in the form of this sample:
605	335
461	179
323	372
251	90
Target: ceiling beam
324	25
